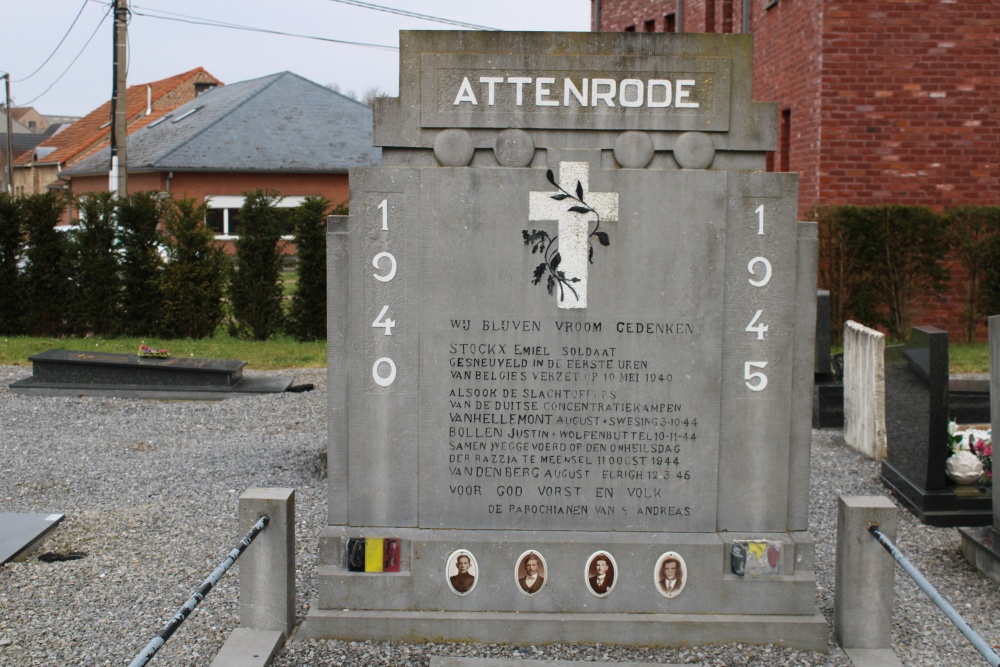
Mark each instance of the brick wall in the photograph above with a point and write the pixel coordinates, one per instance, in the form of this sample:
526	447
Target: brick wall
198	185
909	103
882	101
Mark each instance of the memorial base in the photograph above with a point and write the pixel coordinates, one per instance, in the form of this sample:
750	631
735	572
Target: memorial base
806	632
771	602
943	508
981	547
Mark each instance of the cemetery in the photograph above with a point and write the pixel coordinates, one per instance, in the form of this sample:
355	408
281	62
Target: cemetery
580	405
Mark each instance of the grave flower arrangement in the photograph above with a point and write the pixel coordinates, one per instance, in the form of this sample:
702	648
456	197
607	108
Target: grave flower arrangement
971	449
147	352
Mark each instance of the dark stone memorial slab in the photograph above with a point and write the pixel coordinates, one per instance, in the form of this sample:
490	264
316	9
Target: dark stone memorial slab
828	386
21	533
574	351
916	421
981	545
73	373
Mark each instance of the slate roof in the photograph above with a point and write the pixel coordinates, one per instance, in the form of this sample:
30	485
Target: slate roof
280	122
21	143
92	130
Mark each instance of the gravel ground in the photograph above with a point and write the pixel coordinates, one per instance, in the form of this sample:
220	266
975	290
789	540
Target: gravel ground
150	490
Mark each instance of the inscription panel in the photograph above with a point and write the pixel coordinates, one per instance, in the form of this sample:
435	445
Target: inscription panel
536	416
578	92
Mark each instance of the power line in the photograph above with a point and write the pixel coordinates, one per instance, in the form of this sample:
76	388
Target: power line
415	15
233	26
89	39
78	14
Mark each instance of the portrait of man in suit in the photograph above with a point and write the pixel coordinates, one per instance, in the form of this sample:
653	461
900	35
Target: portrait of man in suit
464	578
530	572
601	573
671	573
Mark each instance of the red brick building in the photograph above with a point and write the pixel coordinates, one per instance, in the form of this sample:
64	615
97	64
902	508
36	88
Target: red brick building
879	101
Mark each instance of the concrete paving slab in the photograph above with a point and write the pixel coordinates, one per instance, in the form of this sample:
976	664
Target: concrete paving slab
873	657
445	661
21	533
247	647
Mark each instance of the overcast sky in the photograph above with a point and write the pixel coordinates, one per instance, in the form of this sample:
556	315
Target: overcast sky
167	37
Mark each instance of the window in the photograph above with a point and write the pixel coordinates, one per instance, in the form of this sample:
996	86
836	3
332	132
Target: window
630	28
650	25
670	23
185	115
710	16
223	215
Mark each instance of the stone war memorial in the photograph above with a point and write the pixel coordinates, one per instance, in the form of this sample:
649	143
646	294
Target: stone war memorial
571	353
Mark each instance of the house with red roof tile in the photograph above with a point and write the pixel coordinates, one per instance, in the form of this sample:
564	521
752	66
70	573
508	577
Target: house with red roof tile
40	169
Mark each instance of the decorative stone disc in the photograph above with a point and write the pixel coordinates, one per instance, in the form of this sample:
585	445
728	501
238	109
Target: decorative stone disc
453	148
514	148
694	150
633	150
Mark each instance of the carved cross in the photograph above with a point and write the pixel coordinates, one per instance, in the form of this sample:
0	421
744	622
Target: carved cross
574	227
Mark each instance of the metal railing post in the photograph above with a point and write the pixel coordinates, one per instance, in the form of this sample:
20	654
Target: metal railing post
981	645
167	630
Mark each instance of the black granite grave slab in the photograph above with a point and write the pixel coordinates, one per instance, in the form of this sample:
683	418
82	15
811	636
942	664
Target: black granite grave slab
71	373
828	386
21	532
969	401
981	547
916	420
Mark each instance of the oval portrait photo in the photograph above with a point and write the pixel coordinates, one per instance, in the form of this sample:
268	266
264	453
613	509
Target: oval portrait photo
670	574
462	571
601	573
530	572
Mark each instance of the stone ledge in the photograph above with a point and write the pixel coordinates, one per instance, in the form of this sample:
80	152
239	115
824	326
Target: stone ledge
807	632
981	547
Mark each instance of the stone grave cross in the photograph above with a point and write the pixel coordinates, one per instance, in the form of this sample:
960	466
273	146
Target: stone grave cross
578	212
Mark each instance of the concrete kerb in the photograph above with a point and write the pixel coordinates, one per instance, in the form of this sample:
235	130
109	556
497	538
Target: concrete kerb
267	581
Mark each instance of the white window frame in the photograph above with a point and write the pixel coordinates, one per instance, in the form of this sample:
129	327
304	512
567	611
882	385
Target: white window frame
227	202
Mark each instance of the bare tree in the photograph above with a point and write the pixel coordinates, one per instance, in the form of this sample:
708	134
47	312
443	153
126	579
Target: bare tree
373	93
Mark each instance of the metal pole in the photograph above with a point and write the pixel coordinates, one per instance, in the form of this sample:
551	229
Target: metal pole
119	120
949	611
164	634
10	140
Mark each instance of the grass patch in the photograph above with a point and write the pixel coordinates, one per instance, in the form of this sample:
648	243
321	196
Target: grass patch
284	352
969	358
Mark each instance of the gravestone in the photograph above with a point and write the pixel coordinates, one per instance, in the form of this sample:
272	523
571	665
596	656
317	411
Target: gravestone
864	390
981	545
916	424
82	373
828	386
570	395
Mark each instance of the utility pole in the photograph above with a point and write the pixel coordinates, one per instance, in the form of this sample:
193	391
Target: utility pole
119	122
10	141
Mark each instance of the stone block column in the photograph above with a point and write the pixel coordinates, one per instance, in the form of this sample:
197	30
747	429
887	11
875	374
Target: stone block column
267	567
862	613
